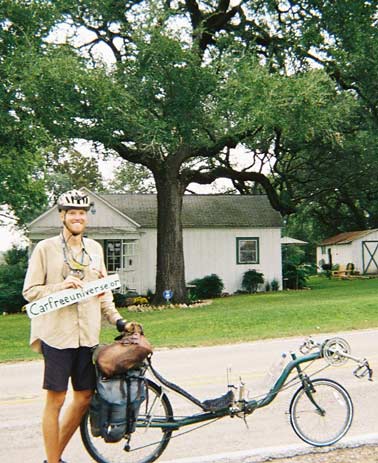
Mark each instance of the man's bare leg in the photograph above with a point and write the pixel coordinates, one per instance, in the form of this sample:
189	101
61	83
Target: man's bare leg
50	424
73	416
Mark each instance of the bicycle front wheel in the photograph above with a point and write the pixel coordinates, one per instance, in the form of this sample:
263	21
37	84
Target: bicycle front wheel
324	415
146	443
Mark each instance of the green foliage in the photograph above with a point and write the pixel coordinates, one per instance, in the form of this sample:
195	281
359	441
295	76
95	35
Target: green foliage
294	276
132	178
294	254
207	287
23	141
251	280
119	300
70	170
274	285
176	100
130	298
330	306
12	275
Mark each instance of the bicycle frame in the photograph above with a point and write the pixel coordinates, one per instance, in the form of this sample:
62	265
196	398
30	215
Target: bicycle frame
243	406
315	416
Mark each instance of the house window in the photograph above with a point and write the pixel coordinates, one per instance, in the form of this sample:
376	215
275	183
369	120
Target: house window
128	254
247	250
323	250
120	254
113	250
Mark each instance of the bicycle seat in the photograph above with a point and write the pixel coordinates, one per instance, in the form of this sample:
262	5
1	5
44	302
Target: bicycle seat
224	401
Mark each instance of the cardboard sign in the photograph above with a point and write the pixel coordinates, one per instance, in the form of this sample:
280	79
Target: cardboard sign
66	297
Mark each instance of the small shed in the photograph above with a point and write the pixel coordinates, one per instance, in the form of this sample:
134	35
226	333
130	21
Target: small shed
359	248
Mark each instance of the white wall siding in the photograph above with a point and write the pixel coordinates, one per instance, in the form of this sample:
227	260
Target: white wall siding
345	253
341	255
214	251
147	250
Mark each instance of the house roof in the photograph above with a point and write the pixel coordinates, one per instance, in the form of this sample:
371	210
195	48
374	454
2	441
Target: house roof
347	237
202	211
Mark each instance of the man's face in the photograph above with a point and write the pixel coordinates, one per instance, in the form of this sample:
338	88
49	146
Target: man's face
75	220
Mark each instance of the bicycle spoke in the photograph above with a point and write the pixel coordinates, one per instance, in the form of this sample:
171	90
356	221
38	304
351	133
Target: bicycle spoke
325	418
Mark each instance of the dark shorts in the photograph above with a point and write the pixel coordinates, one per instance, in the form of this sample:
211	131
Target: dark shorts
62	364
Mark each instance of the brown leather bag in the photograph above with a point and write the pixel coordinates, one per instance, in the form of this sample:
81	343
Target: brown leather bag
118	357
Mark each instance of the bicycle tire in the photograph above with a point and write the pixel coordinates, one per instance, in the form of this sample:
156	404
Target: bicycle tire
313	427
146	443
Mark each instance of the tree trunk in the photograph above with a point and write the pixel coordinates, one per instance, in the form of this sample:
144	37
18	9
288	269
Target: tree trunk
170	270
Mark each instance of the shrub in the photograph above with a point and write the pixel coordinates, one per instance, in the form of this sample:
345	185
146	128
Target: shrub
274	285
12	275
251	280
119	300
267	286
207	287
295	276
130	298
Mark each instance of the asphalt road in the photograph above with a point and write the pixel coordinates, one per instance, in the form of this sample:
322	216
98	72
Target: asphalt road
203	372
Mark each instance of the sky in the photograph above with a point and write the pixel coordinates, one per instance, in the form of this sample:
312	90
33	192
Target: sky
8	237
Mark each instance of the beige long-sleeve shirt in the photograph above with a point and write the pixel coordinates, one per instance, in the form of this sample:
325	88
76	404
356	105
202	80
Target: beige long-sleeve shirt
77	324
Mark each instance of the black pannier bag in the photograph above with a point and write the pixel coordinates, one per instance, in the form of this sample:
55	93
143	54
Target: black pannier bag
116	403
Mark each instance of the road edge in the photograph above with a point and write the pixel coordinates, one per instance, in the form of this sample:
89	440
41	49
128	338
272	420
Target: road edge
273	453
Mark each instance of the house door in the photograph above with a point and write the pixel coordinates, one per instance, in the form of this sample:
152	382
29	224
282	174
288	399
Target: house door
370	256
121	258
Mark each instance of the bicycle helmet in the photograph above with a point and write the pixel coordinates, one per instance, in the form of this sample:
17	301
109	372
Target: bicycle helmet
73	199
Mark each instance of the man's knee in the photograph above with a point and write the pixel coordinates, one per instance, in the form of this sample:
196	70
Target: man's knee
55	400
82	399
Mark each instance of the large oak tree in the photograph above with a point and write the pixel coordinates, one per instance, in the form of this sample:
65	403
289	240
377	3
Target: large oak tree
175	86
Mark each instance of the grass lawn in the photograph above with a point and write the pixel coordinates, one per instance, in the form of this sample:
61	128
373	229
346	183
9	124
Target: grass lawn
330	305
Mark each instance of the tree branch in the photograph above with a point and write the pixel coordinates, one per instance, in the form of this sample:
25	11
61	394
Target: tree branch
205	178
135	156
228	141
194	12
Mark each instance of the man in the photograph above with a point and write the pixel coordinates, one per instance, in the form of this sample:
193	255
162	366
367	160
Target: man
66	336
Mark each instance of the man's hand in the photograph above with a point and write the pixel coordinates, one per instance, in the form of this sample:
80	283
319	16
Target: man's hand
123	326
133	327
72	282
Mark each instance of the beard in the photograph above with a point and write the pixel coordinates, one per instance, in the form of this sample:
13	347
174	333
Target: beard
73	232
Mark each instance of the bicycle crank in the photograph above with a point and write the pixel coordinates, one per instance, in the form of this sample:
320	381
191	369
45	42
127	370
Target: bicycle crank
336	351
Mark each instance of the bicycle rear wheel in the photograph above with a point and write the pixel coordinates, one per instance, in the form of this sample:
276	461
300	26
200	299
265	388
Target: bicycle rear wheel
323	416
146	443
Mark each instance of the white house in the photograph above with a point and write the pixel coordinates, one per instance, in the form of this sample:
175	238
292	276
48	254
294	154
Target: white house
223	234
357	247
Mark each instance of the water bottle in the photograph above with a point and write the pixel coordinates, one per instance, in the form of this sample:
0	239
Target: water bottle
275	371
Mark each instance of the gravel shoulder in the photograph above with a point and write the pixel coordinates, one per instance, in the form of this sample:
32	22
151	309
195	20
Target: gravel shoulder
365	454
